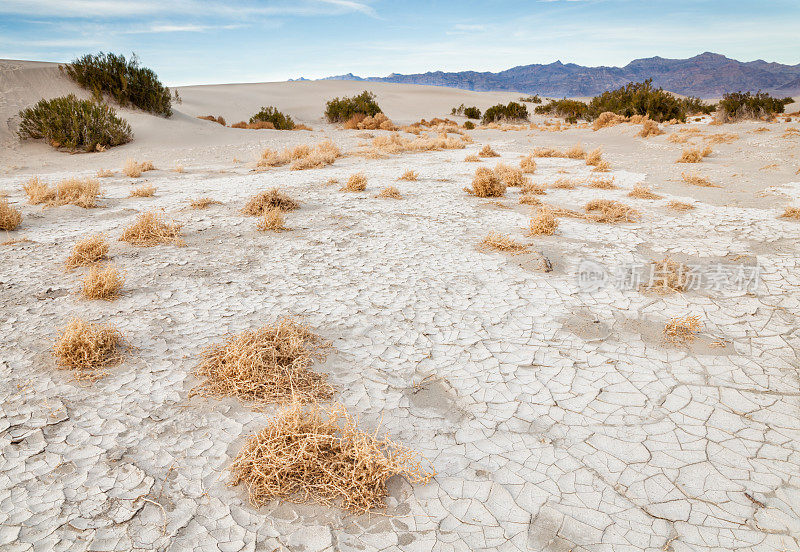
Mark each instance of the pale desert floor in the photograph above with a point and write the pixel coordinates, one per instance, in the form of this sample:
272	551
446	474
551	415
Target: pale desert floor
557	419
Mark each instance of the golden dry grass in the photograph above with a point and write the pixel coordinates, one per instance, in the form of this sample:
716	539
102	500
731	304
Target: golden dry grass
487	151
103	282
472	158
694	155
533	188
356	183
394	144
359	121
511	177
791	213
607	119
602	184
486	183
680	206
179	169
668	276
543	223
272	363
602	166
272	220
390	192
577	152
529	199
86	348
10	217
502	242
203	203
528	164
697	180
150	229
649	128
258	204
301	157
71	191
564	184
134	169
144	191
409	175
682	329
308	454
104	173
643	192
594	157
609	211
88	251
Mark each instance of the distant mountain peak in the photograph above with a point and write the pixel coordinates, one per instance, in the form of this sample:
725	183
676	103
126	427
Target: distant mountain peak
705	75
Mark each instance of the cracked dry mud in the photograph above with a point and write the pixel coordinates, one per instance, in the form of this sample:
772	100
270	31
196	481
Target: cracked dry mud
556	419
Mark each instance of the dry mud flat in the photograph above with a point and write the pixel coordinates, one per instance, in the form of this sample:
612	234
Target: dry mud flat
557	418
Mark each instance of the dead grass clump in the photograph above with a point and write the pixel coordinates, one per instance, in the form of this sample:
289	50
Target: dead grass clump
143	191
272	220
546	152
272	363
668	276
104	173
472	158
308	454
682	329
607	119
594	157
73	191
543	223
564	184
321	155
602	184
103	282
86	348
409	175
394	143
219	119
697	180
486	183
610	211
680	206
179	169
356	183
10	217
791	213
602	166
487	151
133	169
642	192
258	204
531	188
528	164
694	155
390	192
529	199
360	121
577	152
649	128
721	138
502	242
203	203
88	251
149	229
510	176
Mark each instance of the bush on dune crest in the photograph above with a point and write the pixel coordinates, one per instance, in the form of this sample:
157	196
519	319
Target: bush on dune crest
339	110
122	79
74	124
280	121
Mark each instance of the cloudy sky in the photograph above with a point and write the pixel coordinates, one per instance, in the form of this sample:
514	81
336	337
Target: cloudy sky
209	41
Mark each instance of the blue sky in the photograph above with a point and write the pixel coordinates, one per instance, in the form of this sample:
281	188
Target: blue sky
204	41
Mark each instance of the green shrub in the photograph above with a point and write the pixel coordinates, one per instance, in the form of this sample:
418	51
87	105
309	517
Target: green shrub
571	110
469	125
692	105
511	112
744	105
122	79
272	115
468	112
638	98
531	99
68	122
341	109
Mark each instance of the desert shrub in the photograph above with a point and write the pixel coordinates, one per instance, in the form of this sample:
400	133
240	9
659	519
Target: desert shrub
486	183
203	203
528	164
273	198
697	180
71	191
10	217
502	242
88	251
472	158
649	128
692	106
338	110
683	329
607	119
74	124
543	223
144	191
122	79
469	125
394	143
356	183
571	110
668	276
280	121
135	169
390	192
638	98
791	212
359	121
642	192
310	454
694	155
680	206
510	176
219	119
102	282
85	348
104	173
513	111
610	211
149	229
487	151
744	105
409	175
531	99
273	219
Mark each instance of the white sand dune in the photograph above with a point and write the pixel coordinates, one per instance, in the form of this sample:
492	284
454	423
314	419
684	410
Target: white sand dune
557	418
